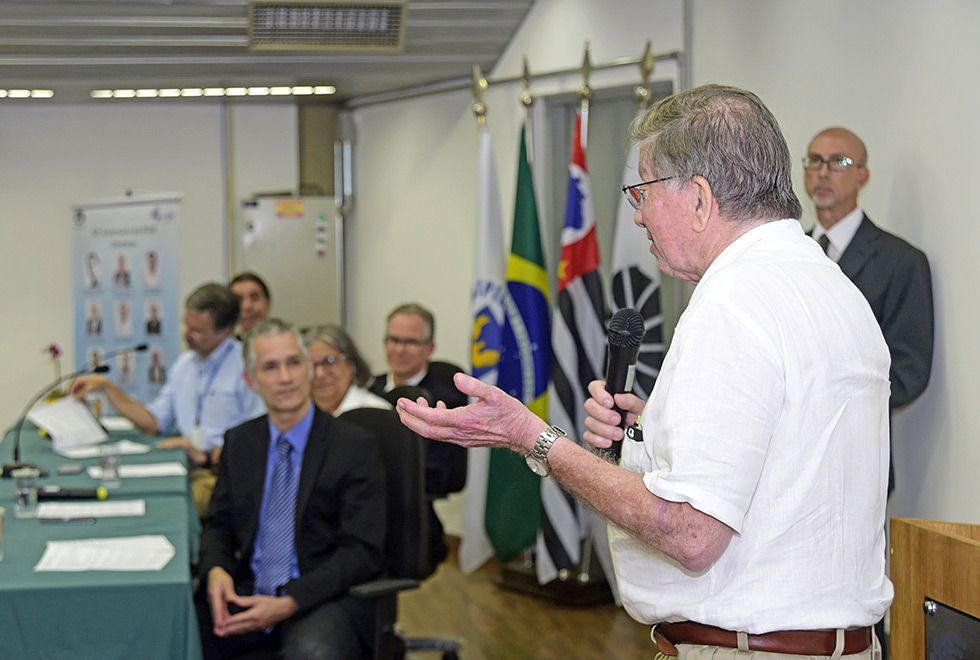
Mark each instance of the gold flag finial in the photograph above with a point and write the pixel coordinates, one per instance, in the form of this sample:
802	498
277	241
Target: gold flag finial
527	98
585	92
641	93
479	95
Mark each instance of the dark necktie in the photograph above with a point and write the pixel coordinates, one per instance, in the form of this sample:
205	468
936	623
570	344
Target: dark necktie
278	521
824	242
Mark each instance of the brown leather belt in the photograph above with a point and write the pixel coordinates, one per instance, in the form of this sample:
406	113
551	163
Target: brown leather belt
793	642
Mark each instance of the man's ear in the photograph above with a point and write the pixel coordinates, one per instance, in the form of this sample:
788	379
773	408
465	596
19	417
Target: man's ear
248	379
704	201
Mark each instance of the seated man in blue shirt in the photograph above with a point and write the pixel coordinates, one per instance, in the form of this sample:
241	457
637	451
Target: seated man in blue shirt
297	519
206	393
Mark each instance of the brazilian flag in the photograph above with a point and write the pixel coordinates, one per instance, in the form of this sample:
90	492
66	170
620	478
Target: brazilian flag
513	509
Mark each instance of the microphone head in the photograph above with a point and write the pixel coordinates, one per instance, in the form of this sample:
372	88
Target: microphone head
101	369
140	347
626	328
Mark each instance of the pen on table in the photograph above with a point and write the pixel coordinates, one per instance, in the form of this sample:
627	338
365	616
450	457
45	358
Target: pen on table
67	521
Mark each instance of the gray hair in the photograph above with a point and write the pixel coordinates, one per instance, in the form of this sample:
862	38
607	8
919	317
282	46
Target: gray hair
728	136
217	300
417	310
339	339
270	327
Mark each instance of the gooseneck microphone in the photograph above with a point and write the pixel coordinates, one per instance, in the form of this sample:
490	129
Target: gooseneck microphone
91	367
626	331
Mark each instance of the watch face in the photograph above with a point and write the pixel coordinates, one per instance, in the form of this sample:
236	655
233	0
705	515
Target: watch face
537	466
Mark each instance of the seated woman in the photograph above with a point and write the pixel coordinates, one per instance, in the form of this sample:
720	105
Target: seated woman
339	372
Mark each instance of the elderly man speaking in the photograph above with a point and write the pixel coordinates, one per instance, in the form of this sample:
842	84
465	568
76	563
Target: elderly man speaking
747	512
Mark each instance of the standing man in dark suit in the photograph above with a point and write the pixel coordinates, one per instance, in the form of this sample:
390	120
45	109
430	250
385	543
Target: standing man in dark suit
409	343
892	274
297	518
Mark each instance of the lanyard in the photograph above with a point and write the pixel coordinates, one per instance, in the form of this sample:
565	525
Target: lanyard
203	393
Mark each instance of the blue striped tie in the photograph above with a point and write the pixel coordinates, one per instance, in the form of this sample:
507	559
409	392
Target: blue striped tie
278	520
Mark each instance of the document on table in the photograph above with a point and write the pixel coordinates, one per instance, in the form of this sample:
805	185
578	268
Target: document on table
69	423
123	447
167	469
108	509
133	553
117	424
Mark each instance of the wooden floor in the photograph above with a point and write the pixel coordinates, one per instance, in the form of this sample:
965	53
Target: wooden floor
500	624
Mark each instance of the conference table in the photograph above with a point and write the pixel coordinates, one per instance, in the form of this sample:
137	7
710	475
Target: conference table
106	615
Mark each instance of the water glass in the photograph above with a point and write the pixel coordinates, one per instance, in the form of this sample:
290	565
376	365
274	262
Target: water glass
25	492
109	461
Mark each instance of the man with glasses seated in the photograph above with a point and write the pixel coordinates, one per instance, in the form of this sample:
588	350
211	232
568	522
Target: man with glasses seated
409	343
892	274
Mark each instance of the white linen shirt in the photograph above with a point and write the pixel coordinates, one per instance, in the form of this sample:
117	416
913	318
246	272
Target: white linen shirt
227	402
771	415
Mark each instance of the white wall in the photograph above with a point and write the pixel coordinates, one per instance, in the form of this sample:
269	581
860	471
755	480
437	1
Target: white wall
902	74
412	234
53	155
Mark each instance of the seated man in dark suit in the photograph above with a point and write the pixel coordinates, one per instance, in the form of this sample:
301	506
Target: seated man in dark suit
296	519
409	343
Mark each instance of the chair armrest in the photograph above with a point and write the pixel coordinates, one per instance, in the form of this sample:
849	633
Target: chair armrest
384	587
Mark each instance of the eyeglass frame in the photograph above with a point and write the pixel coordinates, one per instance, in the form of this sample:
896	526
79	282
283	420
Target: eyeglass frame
637	201
329	362
838	162
408	343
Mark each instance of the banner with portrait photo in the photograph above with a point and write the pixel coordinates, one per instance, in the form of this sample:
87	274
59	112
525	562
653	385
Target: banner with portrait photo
125	289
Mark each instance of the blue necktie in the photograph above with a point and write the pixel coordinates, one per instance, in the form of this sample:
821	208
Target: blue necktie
275	562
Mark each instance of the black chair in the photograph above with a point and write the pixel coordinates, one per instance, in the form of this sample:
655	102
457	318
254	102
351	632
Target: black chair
407	540
445	470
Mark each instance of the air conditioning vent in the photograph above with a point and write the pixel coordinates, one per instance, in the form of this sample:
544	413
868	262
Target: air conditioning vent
325	25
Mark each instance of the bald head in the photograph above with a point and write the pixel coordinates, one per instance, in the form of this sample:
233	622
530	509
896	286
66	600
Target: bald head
857	151
835	191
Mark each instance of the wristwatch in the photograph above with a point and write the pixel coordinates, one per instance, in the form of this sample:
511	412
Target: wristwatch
537	458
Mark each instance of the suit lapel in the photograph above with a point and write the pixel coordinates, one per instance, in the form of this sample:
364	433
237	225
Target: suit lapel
313	458
255	448
861	249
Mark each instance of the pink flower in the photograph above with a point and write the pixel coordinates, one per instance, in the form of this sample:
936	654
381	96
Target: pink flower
54	351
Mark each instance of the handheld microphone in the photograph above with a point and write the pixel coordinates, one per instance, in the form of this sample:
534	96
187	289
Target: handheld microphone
626	331
91	367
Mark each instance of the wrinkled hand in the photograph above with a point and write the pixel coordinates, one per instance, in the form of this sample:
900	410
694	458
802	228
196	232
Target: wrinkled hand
495	419
603	423
85	385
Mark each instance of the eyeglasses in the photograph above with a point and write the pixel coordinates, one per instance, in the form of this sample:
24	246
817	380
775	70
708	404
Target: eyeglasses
815	163
408	343
328	362
634	194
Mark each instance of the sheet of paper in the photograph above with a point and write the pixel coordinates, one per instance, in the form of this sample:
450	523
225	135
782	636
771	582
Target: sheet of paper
123	446
132	553
69	422
117	424
168	469
83	509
